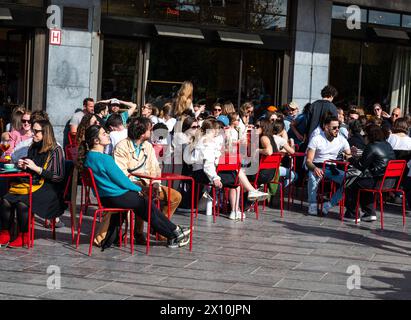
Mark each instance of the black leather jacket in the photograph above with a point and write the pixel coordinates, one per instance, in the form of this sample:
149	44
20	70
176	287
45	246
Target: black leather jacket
375	158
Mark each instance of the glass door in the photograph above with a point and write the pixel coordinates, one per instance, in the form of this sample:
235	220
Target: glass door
15	55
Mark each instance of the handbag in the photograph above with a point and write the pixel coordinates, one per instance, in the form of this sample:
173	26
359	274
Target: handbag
352	175
24	187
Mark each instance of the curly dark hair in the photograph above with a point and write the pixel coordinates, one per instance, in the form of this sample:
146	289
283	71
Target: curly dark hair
328	92
82	127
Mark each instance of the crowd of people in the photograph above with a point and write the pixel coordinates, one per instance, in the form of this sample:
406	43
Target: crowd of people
117	142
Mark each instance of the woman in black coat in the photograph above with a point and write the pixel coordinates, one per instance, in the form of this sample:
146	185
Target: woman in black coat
372	165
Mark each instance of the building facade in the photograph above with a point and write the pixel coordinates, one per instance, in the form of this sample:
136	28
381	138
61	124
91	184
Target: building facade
267	51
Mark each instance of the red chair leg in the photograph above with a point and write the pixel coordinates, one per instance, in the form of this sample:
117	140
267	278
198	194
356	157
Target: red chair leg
382	211
403	207
92	232
132	231
80	220
281	200
357	206
53	226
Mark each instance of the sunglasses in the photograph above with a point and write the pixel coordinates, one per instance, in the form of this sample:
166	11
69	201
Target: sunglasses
37	131
257	126
25	121
335	128
377	109
395	115
195	127
219	110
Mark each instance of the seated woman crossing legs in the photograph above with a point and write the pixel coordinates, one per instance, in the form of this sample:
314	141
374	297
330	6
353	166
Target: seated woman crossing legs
116	190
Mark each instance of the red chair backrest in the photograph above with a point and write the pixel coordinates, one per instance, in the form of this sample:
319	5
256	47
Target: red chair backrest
71	152
87	179
271	162
395	169
229	162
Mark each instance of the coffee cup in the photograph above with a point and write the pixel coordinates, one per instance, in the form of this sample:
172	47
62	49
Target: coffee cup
9	166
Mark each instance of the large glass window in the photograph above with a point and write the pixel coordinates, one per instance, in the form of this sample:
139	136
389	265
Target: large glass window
119	68
253	15
344	70
384	18
406	21
268	15
361	72
214	71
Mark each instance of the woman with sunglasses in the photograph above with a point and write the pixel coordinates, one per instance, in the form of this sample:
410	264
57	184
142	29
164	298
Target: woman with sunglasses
45	161
217	110
117	191
20	134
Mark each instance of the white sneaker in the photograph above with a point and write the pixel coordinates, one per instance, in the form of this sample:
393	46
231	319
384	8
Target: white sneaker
326	207
312	209
257	195
239	215
233	215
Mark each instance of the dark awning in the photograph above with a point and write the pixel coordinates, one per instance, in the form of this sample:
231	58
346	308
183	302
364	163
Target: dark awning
393	34
5	14
240	37
180	32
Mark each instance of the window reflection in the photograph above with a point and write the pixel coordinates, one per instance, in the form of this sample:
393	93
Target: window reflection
384	18
253	14
406	21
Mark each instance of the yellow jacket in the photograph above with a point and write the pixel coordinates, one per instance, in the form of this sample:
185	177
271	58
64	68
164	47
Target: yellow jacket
146	163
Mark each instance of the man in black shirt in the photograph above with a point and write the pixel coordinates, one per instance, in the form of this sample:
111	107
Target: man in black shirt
320	109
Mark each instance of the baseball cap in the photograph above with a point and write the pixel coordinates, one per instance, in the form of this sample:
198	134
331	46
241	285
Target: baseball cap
224	120
114	101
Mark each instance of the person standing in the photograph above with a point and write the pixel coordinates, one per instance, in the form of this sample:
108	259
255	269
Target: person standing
320	109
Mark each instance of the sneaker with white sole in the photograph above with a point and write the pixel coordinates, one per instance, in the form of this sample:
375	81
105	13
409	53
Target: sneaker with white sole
368	217
326	208
239	215
350	216
256	195
182	238
233	215
312	209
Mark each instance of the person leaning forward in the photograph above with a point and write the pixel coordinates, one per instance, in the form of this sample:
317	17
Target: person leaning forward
136	155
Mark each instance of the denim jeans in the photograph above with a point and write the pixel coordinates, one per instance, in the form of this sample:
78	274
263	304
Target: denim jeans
314	182
285	172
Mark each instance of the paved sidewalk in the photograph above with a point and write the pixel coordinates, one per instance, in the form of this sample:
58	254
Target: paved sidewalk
297	257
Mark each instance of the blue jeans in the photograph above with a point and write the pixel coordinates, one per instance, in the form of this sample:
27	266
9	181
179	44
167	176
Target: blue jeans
285	172
314	182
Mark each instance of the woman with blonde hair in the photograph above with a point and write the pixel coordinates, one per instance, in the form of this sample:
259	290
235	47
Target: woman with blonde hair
227	108
184	100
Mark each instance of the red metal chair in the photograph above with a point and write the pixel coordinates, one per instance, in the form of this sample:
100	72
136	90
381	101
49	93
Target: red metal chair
227	162
88	181
394	170
271	162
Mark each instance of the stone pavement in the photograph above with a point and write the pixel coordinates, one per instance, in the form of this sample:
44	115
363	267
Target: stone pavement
297	257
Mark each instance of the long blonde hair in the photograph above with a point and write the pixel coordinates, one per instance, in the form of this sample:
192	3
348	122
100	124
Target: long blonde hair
184	98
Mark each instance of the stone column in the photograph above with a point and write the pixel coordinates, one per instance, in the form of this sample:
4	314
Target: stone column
73	66
310	61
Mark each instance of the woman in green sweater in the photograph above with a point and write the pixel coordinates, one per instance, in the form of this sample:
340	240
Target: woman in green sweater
117	191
